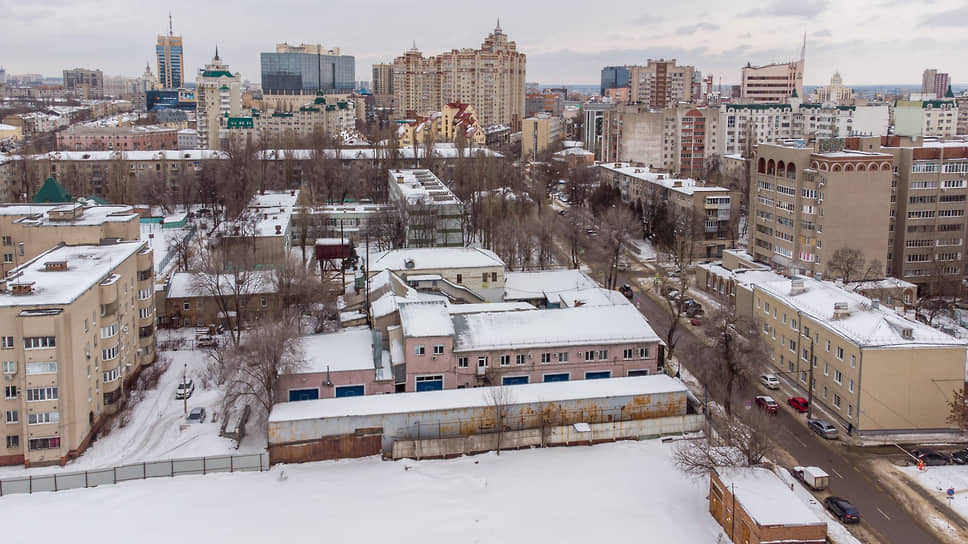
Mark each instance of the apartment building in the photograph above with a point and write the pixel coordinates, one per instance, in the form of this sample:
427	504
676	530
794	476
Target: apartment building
84	83
491	78
382	83
834	93
595	130
935	82
328	117
660	83
538	134
218	94
443	126
434	215
805	204
171	61
772	83
140	138
77	322
27	230
926	118
716	207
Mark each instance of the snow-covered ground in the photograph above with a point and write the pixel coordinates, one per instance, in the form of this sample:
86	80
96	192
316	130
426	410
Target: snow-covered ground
155	429
607	493
647	251
937	480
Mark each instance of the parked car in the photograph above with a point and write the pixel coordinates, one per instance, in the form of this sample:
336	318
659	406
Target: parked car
562	212
960	457
823	428
185	390
626	290
696	320
197	415
770	381
799	404
814	477
931	458
842	508
694	309
206	341
767	403
622	266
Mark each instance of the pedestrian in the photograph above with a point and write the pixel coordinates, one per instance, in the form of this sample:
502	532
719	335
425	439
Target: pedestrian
850	428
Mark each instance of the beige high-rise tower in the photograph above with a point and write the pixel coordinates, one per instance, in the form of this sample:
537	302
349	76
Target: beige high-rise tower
492	79
218	93
171	61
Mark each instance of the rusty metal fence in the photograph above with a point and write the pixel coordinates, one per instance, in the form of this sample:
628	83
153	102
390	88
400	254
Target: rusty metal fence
138	471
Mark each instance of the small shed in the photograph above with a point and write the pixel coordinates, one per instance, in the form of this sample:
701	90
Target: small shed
175	221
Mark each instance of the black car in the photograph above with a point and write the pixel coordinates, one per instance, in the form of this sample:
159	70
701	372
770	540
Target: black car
626	290
842	509
931	458
960	457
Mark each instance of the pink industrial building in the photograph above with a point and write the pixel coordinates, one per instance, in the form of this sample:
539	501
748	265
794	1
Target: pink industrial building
141	138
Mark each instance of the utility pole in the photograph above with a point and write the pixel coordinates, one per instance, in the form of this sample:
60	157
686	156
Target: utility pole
185	388
810	384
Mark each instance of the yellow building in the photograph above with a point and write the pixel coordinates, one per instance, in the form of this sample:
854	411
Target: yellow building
443	126
11	132
76	322
538	134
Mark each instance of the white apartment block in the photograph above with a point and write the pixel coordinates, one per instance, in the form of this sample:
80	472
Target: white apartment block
434	214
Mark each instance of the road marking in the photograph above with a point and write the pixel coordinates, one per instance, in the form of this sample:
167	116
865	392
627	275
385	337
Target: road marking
837	473
802	443
883	514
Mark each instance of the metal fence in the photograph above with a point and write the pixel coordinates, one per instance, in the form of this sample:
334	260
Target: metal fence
139	471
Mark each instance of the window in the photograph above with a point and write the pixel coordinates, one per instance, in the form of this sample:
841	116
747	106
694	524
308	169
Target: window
10	392
8	257
546	357
840	353
837	400
643	353
144	313
627	354
853	361
43	418
494	276
112	375
850	386
484	277
144	294
519	359
109	331
805	354
35	394
462	362
482	362
603	355
12	416
186	306
13	441
438	349
826	369
10	367
825	391
784	319
850	411
505	360
110	353
828	346
263	301
39	342
838	377
460	278
562	356
7	241
42	367
52	443
420	350
589	355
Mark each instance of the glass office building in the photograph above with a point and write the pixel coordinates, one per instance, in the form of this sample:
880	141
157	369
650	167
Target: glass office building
303	73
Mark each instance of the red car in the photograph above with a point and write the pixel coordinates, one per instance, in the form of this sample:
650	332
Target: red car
799	404
767	403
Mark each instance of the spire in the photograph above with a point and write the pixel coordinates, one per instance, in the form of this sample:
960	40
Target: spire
949	94
497	30
171	31
803	50
216	52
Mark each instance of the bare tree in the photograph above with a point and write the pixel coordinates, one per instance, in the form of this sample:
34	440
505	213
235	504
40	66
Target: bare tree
301	292
229	285
847	263
677	243
256	365
958	408
618	226
499	400
743	441
732	356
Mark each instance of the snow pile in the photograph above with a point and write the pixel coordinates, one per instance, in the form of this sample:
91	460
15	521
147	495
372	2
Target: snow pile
937	481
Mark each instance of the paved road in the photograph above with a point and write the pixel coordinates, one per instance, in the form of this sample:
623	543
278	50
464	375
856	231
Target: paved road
849	478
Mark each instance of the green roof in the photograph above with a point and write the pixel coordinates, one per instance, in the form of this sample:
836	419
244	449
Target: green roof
936	103
949	94
52	192
330	107
217	73
281	114
319	100
342	105
240	122
308	108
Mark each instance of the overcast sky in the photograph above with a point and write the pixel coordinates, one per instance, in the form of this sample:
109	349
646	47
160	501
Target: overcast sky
869	42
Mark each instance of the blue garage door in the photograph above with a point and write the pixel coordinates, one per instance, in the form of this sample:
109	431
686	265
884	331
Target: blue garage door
556	377
303	394
598	375
514	380
349	391
429	383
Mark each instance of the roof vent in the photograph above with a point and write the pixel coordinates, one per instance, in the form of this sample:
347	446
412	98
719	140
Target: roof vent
907	333
278	229
841	310
796	286
55	266
22	288
399	179
875	303
408	263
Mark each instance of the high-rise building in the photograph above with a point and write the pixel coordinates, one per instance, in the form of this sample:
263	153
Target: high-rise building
171	62
934	82
3	76
218	95
307	69
382	79
84	83
660	83
835	93
492	79
539	133
614	77
932	118
773	83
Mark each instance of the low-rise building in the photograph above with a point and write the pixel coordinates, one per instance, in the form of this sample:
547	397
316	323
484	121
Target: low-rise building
754	506
261	236
76	322
199	299
479	270
443	126
539	133
434	216
140	138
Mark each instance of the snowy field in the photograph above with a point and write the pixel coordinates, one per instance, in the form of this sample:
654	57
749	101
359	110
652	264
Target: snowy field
155	429
937	480
608	493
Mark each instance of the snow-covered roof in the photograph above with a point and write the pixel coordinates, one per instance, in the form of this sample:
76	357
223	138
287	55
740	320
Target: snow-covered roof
456	309
171	155
562	327
597	296
87	265
425	318
456	399
38	215
442	150
270	209
421	186
544	283
863	324
686	186
185	284
435	258
765	498
348	349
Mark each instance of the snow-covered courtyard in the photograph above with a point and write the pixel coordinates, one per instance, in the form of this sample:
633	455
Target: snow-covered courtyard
938	480
611	492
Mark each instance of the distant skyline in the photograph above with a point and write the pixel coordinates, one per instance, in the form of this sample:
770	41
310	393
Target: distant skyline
868	42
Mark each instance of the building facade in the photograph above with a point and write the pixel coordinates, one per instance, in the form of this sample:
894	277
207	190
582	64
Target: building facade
455	122
140	138
70	345
538	134
434	215
307	69
928	118
772	83
660	83
171	62
382	79
934	82
84	83
614	77
218	94
491	78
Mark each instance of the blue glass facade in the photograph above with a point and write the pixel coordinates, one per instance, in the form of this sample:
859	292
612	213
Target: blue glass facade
173	59
614	77
289	73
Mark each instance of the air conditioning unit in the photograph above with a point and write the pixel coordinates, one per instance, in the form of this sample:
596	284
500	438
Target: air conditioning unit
821	184
124	329
434	357
819	201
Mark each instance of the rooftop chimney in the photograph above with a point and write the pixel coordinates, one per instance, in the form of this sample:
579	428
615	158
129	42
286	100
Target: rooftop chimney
796	286
278	229
55	266
841	310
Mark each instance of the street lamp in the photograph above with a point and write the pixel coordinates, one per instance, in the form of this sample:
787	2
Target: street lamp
810	363
185	388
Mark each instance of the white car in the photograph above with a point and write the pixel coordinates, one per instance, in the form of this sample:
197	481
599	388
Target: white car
770	381
185	390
